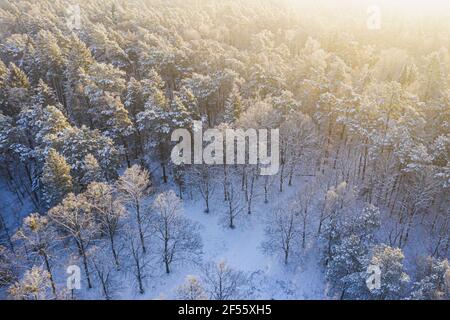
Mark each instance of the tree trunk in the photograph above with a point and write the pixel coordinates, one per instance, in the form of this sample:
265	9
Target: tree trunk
163	165
85	262
47	266
141	233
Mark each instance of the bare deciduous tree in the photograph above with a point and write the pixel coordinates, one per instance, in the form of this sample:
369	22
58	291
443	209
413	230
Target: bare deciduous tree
40	239
138	264
108	212
222	282
203	177
133	186
34	285
75	218
235	206
104	270
191	289
282	232
178	237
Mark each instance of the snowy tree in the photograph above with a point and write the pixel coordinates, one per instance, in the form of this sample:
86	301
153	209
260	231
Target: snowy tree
104	271
74	217
157	116
337	200
139	265
233	106
234	206
133	186
360	121
191	289
91	170
7	267
46	124
394	280
222	282
34	285
39	238
203	177
75	143
56	178
349	244
135	96
433	280
366	224
179	176
108	212
303	205
348	262
282	232
17	89
177	236
299	138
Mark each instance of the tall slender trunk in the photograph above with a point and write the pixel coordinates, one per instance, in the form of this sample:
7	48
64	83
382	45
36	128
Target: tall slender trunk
85	262
163	165
113	249
47	266
139	220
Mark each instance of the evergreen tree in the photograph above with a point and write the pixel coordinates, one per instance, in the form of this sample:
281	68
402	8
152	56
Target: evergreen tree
394	280
91	171
7	267
233	106
433	280
56	178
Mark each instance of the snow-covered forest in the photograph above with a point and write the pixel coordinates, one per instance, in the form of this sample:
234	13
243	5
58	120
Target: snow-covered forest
90	92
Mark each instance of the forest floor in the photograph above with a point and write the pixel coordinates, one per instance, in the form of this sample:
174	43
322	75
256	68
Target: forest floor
240	248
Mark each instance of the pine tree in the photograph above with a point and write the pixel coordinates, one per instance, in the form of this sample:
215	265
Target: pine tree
56	178
17	90
75	143
3	79
433	280
348	262
53	122
78	59
394	280
44	95
91	171
135	97
349	244
157	120
233	106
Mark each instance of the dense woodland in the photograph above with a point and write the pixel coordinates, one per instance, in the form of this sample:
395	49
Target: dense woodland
88	104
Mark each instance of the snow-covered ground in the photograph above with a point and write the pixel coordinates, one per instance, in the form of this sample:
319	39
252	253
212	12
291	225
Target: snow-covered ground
241	249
